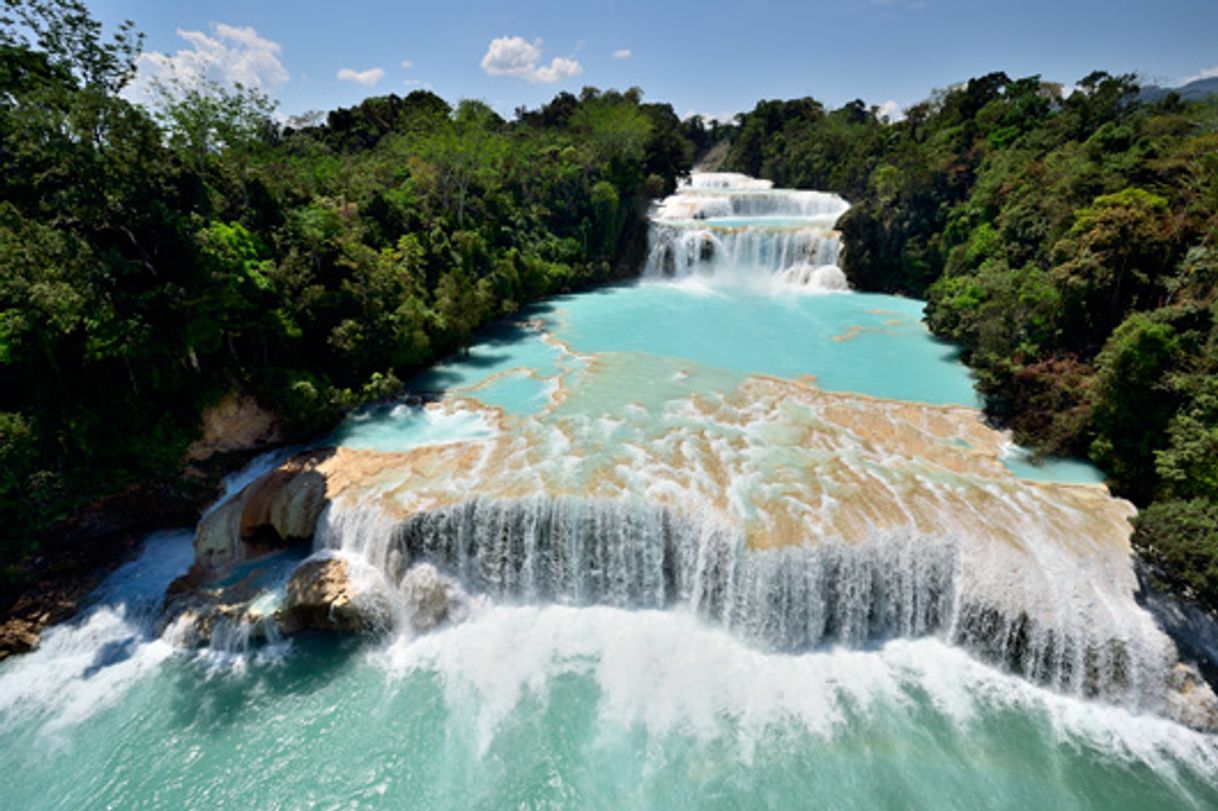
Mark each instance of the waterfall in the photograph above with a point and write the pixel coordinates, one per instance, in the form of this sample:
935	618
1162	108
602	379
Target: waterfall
631	554
718	224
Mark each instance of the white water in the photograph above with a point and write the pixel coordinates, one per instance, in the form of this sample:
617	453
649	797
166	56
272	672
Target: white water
729	224
87	664
611	653
667	672
586	552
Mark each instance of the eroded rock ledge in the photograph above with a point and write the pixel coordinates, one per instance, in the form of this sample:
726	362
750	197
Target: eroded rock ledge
1040	576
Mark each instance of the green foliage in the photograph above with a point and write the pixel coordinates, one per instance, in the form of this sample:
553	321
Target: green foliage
207	121
1180	541
1116	257
71	39
1133	400
151	261
1068	244
1188	465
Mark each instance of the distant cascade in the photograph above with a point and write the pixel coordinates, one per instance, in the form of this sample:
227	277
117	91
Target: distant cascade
722	224
726	180
635	555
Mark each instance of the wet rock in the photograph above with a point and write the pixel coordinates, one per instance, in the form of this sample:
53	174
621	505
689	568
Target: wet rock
320	596
277	510
18	635
1190	700
428	596
192	615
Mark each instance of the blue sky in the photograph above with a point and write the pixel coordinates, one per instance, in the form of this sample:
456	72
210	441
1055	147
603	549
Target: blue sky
709	57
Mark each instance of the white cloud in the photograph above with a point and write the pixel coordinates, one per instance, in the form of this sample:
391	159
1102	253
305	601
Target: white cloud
622	53
407	63
891	110
1206	73
230	54
516	56
367	77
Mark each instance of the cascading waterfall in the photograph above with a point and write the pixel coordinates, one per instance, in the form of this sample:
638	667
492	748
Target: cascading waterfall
720	223
628	554
753	549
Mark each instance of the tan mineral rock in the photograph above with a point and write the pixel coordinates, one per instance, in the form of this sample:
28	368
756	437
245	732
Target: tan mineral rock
320	596
280	508
236	423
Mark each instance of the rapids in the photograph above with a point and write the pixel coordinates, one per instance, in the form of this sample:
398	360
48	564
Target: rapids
731	537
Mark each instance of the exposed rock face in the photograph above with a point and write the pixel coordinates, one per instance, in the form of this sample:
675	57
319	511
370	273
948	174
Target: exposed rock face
196	615
19	635
236	423
279	509
320	596
50	602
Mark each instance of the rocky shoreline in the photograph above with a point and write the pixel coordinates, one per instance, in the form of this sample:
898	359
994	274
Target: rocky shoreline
74	557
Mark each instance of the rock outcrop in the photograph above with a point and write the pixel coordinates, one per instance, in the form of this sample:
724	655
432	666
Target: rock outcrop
320	596
1190	700
236	423
278	510
429	598
234	549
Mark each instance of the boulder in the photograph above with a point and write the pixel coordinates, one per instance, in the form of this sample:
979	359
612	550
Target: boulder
428	596
320	596
191	614
1191	701
18	635
236	423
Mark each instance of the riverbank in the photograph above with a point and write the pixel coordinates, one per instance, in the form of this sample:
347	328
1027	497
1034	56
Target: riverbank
75	556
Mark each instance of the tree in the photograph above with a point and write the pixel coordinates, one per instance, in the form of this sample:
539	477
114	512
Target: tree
70	38
1116	256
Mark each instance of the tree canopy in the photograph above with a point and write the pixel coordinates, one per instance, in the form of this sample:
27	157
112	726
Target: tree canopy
1068	243
153	260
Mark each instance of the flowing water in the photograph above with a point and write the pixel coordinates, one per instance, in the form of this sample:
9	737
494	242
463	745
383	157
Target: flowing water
732	537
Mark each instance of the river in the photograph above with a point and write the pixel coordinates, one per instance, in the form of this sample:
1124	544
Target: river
729	537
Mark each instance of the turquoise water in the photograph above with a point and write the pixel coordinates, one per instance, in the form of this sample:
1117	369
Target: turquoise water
1071	471
713	335
867	344
401	427
556	707
562	707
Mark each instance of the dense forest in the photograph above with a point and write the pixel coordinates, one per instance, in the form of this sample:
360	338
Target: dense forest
154	258
1068	241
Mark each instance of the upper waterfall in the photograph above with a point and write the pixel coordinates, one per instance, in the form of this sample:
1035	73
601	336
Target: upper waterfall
729	224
